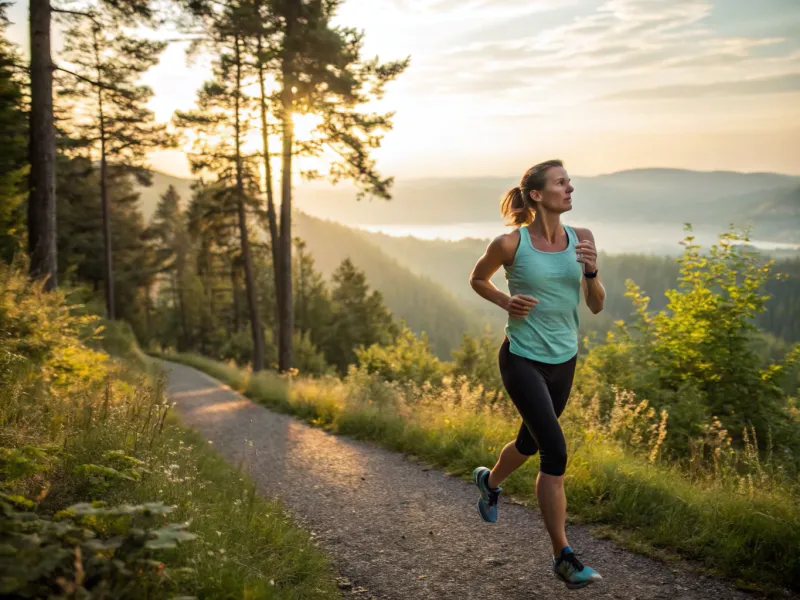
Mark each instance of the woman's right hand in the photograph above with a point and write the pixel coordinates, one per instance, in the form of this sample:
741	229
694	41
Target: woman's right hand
519	305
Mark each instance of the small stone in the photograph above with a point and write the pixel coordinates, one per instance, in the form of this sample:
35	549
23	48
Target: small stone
343	583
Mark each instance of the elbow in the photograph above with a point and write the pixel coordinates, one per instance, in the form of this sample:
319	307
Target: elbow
596	308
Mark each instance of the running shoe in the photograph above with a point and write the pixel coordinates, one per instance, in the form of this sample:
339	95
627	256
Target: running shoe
572	571
487	503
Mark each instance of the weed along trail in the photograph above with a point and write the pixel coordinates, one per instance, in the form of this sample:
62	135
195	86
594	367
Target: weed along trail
397	530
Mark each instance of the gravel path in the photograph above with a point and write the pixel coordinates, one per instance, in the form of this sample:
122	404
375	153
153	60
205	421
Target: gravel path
397	530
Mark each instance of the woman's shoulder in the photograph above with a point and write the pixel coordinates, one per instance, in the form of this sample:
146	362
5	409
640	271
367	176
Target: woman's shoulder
583	233
504	246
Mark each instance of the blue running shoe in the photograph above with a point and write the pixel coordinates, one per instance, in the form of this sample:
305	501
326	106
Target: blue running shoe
572	572
487	503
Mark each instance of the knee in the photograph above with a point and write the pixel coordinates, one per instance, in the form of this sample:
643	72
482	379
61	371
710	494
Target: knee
525	448
553	461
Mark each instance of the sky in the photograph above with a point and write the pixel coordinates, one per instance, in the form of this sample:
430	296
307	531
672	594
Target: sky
495	86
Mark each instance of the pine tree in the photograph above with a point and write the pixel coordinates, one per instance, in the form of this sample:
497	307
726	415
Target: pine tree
110	109
222	115
13	148
360	317
42	151
313	307
321	72
212	221
168	236
42	147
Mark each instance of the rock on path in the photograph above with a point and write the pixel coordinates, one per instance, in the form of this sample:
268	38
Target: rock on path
396	530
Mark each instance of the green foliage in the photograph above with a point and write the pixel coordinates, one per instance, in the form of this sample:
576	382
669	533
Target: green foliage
307	358
360	317
88	551
696	358
109	114
13	149
84	453
426	302
42	340
407	359
476	360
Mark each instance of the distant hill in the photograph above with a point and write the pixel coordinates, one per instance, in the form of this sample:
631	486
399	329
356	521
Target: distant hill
766	201
424	304
149	196
669	196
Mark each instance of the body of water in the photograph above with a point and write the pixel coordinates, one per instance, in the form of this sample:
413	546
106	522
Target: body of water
613	238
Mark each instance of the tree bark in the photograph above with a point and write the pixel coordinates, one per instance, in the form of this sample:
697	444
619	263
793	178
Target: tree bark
42	151
285	308
271	214
286	317
111	312
235	296
252	298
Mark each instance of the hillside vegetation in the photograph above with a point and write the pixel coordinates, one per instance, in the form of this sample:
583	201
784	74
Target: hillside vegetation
422	301
103	494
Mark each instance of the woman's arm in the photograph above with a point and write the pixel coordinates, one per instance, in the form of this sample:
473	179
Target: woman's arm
593	290
499	252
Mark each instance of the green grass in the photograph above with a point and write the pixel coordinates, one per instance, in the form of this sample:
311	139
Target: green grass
246	546
103	432
749	535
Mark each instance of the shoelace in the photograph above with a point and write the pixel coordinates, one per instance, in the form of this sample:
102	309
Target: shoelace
573	560
493	496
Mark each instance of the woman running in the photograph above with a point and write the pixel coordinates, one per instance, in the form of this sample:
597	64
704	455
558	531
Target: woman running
546	264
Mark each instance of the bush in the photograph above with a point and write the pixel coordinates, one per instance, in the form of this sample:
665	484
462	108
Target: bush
407	359
698	358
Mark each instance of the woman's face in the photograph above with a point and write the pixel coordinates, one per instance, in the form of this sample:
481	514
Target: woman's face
557	193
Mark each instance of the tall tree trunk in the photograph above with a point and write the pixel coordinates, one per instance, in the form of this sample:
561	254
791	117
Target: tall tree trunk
148	305
271	214
302	304
252	298
285	289
177	301
42	178
285	308
235	294
111	312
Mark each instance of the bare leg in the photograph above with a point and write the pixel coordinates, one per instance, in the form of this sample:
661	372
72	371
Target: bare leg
553	504
509	461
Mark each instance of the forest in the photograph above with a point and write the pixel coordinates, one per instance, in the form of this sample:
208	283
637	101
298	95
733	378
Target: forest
687	380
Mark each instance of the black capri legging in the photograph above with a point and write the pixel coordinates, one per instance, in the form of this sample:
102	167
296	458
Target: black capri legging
540	392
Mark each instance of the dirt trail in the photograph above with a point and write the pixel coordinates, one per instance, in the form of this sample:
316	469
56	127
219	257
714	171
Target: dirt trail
397	530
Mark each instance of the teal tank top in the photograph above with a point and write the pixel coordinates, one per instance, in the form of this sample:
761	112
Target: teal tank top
549	333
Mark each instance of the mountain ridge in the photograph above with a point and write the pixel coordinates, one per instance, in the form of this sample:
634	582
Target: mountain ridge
647	195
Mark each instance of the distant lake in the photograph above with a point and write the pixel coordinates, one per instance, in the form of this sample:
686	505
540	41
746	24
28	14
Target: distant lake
613	238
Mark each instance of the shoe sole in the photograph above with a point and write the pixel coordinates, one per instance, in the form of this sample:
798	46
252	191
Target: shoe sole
574	586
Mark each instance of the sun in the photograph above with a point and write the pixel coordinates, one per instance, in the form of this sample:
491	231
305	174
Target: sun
304	125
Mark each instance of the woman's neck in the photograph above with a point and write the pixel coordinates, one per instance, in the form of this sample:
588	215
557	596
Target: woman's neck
546	225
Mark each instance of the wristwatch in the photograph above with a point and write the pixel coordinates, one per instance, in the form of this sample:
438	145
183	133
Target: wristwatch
591	275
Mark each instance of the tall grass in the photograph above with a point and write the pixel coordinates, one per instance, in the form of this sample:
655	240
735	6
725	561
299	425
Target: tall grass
735	519
122	500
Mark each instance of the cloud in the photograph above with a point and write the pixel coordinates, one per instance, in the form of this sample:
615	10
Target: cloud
667	42
767	85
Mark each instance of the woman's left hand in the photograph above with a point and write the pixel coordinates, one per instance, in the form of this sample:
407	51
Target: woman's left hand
587	254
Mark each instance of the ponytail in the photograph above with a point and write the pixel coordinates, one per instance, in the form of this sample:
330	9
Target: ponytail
517	206
515	209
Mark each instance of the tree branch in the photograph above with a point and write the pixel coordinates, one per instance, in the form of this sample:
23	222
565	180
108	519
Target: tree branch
76	13
86	79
